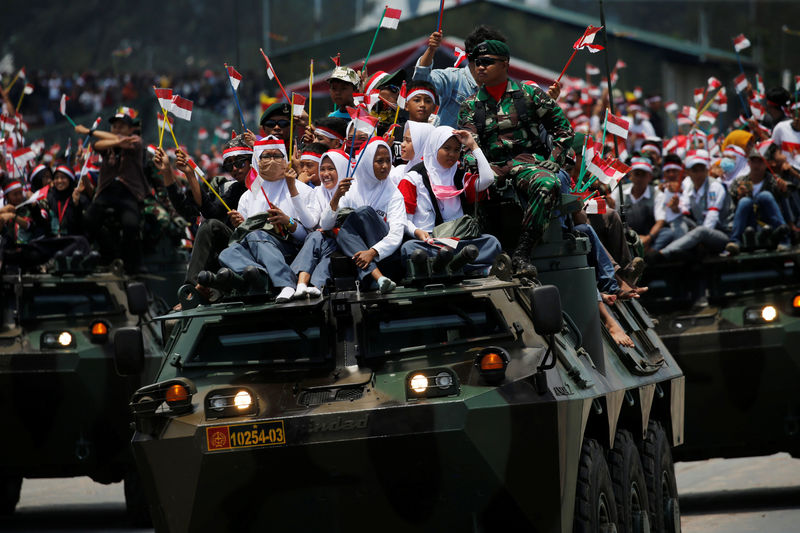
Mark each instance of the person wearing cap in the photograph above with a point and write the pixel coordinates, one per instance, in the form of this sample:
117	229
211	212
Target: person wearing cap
756	197
453	84
22	223
343	82
667	210
505	119
706	205
41	176
639	197
121	186
275	121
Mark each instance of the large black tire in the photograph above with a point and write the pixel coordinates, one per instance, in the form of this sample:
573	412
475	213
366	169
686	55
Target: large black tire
630	486
10	487
595	507
135	502
659	473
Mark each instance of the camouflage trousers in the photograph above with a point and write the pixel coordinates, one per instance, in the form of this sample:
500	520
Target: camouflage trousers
539	192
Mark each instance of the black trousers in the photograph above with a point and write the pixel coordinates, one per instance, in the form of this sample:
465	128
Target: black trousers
126	210
211	238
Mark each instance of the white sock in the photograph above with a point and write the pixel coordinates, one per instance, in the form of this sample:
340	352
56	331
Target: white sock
301	290
313	291
285	295
385	284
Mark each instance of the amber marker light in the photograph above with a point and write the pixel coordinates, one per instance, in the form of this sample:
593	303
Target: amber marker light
177	393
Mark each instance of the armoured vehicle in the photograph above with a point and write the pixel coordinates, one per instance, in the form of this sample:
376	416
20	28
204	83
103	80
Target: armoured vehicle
65	408
450	404
738	349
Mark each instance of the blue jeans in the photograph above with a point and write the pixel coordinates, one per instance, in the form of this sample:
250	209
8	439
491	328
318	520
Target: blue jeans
601	261
670	232
266	252
713	239
488	249
768	211
315	258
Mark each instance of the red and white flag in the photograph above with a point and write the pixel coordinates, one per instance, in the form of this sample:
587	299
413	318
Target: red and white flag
698	94
616	125
202	134
234	76
461	55
797	83
181	107
763	147
164	97
9	124
196	168
637	92
671	107
595	206
714	84
740	82
689	112
298	104
586	40
592	70
23	156
161	121
760	88
358	98
360	114
756	109
620	64
740	42
391	18
401	97
22	74
62	107
709	117
722	100
28	88
607	172
270	70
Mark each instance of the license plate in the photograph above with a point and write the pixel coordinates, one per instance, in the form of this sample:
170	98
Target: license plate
245	435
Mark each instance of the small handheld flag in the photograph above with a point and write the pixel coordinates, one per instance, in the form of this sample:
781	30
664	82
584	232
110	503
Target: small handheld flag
62	107
181	107
235	78
740	42
272	75
617	125
390	18
586	41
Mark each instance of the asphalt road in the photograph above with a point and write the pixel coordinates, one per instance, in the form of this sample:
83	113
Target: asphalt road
759	494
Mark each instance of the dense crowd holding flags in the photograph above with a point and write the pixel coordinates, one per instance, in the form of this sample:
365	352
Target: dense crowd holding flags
617	135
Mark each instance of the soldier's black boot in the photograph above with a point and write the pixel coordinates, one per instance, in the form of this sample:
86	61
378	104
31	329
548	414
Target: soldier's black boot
521	258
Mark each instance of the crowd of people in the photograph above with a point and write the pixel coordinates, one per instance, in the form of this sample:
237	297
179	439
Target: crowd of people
410	165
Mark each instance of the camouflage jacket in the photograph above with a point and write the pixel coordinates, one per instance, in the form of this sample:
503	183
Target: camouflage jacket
505	138
769	185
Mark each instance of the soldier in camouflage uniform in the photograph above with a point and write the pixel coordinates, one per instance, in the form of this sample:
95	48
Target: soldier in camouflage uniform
506	119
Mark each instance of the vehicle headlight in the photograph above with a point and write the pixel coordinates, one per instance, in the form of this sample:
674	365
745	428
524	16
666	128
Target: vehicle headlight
760	315
232	401
57	339
431	383
242	400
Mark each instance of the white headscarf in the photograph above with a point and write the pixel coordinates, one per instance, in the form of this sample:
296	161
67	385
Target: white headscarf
420	131
340	160
366	188
439	175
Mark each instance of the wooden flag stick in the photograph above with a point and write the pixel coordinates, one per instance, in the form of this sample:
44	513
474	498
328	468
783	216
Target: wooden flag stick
567	65
269	67
212	190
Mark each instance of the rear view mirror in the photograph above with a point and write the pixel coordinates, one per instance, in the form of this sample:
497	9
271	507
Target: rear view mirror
546	310
129	351
137	298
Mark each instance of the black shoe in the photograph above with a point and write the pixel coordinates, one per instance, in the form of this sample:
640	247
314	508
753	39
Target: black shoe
779	235
654	257
749	239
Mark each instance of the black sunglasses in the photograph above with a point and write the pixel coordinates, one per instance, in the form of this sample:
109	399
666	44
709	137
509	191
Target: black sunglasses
484	61
393	88
282	123
228	165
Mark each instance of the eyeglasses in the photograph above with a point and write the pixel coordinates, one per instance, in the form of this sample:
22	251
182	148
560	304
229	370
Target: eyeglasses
485	61
393	88
228	165
265	155
282	123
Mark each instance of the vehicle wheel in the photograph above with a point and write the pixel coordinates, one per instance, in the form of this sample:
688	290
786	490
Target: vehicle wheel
9	494
630	486
595	507
135	502
659	473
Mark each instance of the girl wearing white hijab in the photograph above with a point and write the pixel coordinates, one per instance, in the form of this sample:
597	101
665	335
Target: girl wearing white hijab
373	232
277	192
415	136
312	264
440	178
